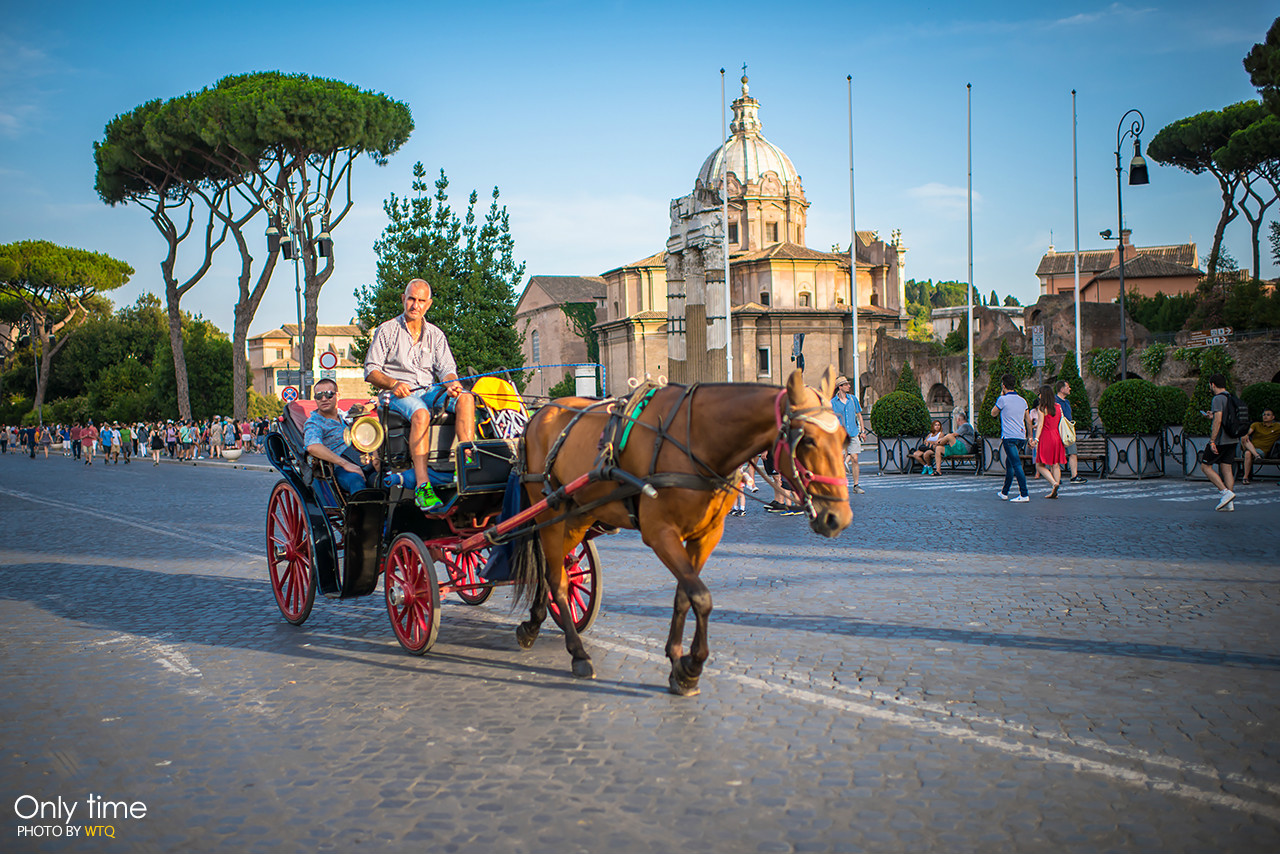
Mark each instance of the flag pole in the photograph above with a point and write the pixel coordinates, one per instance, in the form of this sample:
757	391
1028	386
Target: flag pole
724	216
1075	201
969	134
855	375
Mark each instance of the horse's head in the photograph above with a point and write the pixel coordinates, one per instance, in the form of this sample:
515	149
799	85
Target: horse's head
810	453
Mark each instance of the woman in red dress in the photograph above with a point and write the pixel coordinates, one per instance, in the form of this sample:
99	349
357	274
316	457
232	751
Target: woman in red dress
1050	452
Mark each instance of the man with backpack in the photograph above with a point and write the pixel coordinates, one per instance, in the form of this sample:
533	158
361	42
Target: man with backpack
1225	413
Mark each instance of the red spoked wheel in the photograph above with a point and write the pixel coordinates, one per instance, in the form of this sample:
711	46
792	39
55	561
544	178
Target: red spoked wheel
290	554
464	572
585	586
413	595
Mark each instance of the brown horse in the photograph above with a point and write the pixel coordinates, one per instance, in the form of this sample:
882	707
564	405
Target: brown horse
687	444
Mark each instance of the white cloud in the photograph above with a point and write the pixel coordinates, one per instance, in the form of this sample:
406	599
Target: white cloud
945	201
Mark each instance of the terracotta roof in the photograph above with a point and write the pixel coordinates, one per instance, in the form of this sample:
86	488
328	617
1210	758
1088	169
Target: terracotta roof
567	289
789	251
345	329
274	333
1097	260
1147	267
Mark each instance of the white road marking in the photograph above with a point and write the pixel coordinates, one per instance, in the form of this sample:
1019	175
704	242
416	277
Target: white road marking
872	705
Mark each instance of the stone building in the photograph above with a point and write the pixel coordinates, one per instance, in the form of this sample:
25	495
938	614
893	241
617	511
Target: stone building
665	315
273	359
1148	270
548	335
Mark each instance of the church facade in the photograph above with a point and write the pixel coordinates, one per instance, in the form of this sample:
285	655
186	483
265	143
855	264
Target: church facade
665	315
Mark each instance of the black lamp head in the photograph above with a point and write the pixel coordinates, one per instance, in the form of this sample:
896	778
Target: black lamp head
1137	166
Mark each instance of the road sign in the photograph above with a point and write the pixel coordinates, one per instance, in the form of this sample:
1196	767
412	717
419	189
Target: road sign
329	360
288	394
1037	346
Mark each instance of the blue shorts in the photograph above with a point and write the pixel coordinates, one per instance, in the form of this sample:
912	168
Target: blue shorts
434	399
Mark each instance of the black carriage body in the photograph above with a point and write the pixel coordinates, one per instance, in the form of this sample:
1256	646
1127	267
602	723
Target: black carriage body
351	537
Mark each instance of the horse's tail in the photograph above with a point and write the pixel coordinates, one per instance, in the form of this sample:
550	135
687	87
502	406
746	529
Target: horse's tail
528	563
528	571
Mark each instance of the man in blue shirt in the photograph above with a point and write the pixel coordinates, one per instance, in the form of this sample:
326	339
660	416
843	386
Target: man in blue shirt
849	411
1015	424
1064	389
323	433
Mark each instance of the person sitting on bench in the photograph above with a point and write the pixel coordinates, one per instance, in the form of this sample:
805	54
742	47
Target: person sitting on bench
411	358
322	433
955	444
1260	442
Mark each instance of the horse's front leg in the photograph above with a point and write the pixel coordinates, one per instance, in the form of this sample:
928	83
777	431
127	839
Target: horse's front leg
690	593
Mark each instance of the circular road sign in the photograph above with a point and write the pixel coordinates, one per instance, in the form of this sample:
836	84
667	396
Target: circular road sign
329	360
289	394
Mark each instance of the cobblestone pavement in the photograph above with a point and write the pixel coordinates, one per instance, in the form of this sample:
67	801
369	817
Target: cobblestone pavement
954	673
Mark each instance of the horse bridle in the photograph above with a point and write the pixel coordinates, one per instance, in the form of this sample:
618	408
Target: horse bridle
790	431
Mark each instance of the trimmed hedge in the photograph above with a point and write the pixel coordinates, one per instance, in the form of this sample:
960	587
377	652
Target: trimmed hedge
900	413
1173	405
1260	397
1131	406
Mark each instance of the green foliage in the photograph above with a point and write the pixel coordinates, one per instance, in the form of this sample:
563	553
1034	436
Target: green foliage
1173	405
957	340
470	266
1131	406
565	388
987	424
208	372
900	413
1192	144
1160	313
1261	397
1213	360
1104	363
1079	397
1263	64
582	316
1152	358
1011	300
907	382
261	406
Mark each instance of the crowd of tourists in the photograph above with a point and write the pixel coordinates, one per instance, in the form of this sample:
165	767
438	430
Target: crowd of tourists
113	442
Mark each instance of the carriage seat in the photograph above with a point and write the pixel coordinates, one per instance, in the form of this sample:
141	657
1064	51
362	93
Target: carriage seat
396	447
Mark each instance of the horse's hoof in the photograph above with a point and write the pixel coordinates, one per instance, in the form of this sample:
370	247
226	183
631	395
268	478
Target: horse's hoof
583	669
683	687
525	637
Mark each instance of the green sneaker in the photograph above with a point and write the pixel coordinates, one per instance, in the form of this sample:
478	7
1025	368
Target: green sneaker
425	498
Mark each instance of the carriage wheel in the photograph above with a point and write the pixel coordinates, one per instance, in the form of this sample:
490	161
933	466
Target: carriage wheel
585	587
413	596
464	569
290	554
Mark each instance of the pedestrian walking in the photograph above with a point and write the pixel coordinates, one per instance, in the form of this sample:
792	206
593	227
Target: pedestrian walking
44	440
1015	421
1221	451
849	411
157	443
126	441
1047	441
89	441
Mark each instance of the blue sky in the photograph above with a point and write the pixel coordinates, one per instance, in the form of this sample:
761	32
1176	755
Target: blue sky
591	117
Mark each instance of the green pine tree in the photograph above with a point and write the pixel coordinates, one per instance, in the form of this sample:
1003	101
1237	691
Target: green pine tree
988	424
907	381
469	264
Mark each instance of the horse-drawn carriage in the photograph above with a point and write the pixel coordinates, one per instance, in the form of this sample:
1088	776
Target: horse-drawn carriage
319	538
664	460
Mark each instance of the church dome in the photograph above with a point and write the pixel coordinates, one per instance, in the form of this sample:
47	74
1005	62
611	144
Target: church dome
748	154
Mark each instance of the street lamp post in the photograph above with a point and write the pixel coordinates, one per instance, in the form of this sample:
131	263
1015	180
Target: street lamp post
1137	175
288	215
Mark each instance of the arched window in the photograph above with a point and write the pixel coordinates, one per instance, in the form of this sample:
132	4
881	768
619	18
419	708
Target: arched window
940	397
804	299
537	350
764	298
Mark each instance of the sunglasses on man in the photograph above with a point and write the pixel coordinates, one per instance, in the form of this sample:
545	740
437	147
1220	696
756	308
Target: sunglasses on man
326	395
